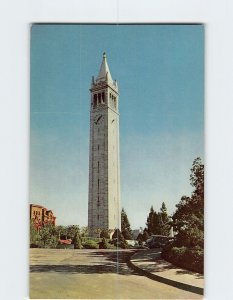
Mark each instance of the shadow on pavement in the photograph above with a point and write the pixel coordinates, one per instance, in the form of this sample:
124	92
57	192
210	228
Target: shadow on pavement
116	263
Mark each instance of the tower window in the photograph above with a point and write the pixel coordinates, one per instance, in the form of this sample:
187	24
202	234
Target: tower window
103	97
98	217
98	166
98	147
99	98
95	101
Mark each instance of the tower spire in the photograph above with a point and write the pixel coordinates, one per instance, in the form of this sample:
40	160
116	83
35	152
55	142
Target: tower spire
104	69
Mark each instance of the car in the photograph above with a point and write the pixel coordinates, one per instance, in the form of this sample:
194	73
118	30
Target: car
158	241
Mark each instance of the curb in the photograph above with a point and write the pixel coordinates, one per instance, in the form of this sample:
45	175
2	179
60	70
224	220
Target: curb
179	285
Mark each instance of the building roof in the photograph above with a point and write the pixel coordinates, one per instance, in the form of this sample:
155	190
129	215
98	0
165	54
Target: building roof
104	69
36	205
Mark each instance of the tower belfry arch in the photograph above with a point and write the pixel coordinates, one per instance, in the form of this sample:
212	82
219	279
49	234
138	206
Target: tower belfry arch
104	164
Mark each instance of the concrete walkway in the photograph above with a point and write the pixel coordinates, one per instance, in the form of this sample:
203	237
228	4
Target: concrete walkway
150	264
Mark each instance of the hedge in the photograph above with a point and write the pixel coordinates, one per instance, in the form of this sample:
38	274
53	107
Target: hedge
190	259
90	244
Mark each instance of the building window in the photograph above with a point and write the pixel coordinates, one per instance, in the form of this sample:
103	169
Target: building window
98	217
98	166
98	147
99	98
95	101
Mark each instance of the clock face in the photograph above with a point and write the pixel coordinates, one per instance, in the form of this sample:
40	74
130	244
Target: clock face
98	119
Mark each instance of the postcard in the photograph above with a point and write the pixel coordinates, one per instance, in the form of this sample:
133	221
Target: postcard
116	199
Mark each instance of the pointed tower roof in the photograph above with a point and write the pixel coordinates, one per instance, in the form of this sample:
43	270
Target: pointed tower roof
104	69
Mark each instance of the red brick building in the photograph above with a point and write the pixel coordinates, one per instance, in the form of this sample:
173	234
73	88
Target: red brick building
41	216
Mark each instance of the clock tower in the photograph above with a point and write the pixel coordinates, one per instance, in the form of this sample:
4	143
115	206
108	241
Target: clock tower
104	167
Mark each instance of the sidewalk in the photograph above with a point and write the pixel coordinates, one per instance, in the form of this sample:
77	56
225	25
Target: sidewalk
150	263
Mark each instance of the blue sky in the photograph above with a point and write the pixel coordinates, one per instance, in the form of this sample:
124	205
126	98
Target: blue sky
160	72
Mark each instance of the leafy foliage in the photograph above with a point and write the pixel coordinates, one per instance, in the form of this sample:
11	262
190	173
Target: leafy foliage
190	259
35	238
48	236
90	244
188	219
77	241
104	234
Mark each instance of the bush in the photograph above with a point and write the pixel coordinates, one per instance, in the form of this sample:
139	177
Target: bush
64	246
190	259
90	244
104	234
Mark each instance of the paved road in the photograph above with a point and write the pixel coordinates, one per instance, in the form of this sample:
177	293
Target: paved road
92	274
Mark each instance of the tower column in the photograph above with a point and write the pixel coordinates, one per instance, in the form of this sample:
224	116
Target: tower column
104	165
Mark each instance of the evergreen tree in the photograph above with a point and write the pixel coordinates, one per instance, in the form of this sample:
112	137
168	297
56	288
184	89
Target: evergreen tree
125	226
164	221
150	221
140	239
145	235
119	239
104	243
77	241
158	223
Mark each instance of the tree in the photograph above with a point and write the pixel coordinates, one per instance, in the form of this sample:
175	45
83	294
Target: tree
118	239
98	231
104	234
140	239
145	235
150	221
48	236
125	226
164	221
71	231
158	223
35	238
61	232
77	241
84	231
188	219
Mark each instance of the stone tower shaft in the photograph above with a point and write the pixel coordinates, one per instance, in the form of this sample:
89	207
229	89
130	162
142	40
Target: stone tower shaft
104	166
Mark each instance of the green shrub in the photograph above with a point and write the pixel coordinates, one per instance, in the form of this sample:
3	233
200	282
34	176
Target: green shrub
64	246
111	246
90	244
190	259
104	234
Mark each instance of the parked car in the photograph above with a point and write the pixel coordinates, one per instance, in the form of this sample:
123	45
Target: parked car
158	241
